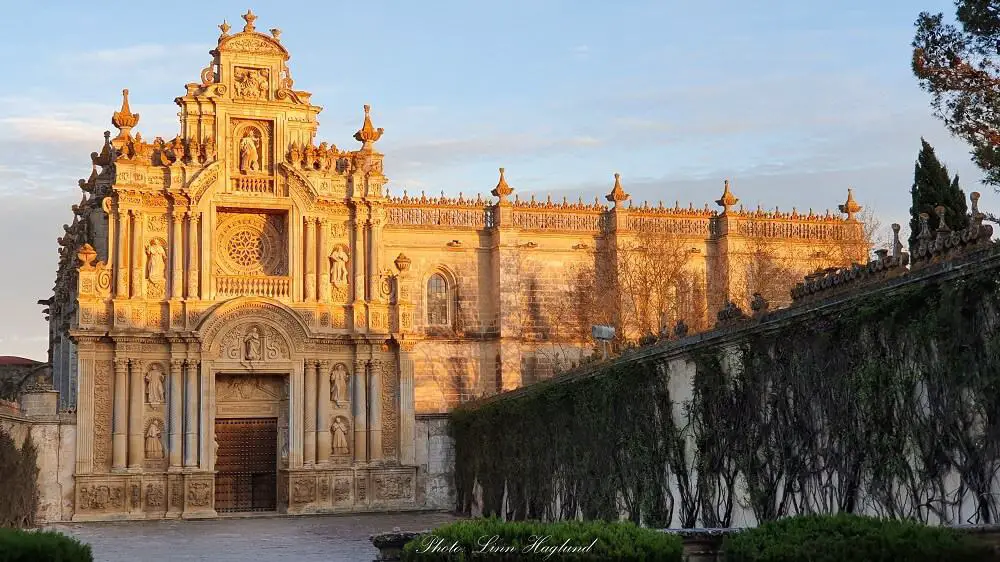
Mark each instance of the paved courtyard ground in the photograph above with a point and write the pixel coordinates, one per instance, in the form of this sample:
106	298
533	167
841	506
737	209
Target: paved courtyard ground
326	538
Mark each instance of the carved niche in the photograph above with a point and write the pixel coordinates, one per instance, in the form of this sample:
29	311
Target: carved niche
253	342
340	259
340	385
156	267
250	145
154	440
251	244
340	431
155	384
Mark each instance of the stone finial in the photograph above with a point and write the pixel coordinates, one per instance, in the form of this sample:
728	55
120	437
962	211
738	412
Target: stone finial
759	304
897	246
850	207
87	255
249	17
502	190
107	152
124	120
403	262
942	225
224	27
617	195
368	134
728	200
276	33
977	217
925	227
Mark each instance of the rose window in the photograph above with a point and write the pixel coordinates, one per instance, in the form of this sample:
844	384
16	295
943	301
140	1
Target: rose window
251	244
246	248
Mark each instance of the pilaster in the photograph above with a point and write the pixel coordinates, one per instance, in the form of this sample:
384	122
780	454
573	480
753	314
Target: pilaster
137	261
136	448
324	443
324	260
407	410
360	411
85	410
176	413
121	249
176	255
309	413
192	402
194	221
119	443
310	250
374	412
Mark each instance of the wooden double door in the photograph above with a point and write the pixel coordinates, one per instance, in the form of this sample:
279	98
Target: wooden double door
246	464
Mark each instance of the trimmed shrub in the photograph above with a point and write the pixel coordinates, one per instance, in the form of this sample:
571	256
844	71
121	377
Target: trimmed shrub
41	546
496	540
836	538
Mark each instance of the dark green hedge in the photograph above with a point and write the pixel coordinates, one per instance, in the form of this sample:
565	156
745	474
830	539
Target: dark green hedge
48	546
497	540
836	538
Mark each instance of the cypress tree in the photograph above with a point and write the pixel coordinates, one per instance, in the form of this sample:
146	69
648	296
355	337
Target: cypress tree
932	186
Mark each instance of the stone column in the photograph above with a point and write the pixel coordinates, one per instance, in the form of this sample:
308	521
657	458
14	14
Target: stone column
407	411
309	413
121	249
194	222
85	410
310	244
176	412
191	402
136	446
324	444
324	260
296	414
360	411
119	445
375	411
137	249
177	256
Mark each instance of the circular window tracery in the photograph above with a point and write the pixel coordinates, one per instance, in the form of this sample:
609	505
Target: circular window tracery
251	244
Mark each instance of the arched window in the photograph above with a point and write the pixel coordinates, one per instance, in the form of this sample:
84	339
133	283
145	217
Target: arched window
437	300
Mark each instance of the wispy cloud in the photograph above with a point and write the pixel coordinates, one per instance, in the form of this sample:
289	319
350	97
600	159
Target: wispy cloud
134	54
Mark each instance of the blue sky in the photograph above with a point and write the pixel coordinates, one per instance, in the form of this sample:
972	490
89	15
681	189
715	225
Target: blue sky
794	101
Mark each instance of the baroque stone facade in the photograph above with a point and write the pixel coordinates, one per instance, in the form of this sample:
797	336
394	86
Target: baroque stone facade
244	271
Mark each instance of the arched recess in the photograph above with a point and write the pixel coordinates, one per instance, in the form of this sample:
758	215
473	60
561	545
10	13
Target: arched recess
275	322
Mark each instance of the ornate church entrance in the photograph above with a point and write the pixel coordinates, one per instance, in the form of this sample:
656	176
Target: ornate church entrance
246	464
249	412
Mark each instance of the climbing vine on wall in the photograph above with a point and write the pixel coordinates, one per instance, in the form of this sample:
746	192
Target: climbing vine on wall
889	406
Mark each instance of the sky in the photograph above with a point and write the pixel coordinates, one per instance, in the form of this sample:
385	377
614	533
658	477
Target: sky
793	101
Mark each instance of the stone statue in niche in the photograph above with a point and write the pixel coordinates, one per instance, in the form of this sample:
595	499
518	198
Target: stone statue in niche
156	259
252	345
154	444
154	386
339	274
339	430
249	153
338	384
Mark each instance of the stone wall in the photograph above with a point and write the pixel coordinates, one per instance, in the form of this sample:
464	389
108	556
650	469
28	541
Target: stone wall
54	436
435	459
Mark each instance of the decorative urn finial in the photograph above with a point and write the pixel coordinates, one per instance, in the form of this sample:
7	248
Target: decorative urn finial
617	195
368	134
276	33
124	120
249	17
502	190
224	27
850	207
728	200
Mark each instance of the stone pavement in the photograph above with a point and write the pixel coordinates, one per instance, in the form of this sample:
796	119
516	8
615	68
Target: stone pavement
326	538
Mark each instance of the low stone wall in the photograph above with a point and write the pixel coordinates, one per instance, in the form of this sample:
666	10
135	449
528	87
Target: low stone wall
54	436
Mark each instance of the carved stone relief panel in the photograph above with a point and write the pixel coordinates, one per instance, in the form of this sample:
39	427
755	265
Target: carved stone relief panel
304	489
199	493
393	486
239	388
251	83
97	496
251	244
103	411
341	490
252	342
390	409
155	496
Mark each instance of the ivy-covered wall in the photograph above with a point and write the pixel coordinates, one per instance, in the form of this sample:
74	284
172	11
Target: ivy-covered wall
883	402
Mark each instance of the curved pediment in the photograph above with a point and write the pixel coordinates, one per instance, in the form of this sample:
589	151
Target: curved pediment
253	43
204	181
